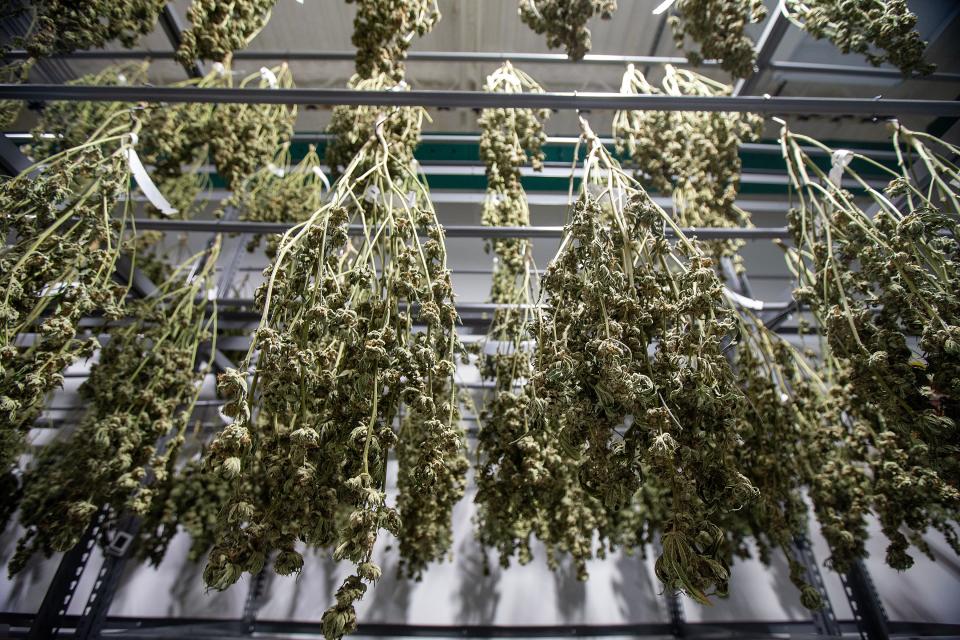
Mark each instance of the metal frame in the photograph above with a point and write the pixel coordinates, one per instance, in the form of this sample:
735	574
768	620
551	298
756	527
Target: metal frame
869	616
449	231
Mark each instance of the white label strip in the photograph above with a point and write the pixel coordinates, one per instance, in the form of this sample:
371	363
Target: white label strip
146	184
744	301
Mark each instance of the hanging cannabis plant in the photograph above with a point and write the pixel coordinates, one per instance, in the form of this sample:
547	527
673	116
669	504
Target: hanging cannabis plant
190	498
693	155
64	26
718	29
352	332
629	368
11	73
383	30
59	268
525	486
245	137
139	394
280	192
788	409
882	31
217	29
878	280
565	21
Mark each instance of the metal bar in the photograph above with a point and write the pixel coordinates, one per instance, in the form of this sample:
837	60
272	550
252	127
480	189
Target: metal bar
496	57
450	231
773	32
876	107
752	147
855	71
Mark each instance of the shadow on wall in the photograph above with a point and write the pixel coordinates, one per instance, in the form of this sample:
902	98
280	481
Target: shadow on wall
477	595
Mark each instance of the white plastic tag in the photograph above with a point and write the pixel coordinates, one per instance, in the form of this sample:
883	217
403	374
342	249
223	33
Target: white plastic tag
269	77
839	160
275	170
146	185
372	194
744	301
317	171
219	69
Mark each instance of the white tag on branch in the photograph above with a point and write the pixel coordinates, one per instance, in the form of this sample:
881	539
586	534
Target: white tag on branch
400	86
211	294
121	79
839	160
269	77
744	301
372	194
275	170
146	185
317	171
219	69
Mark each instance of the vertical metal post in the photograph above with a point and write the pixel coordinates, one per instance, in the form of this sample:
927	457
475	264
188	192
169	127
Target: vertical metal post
46	624
258	588
865	603
675	609
104	589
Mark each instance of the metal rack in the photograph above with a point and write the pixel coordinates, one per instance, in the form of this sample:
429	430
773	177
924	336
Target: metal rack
869	619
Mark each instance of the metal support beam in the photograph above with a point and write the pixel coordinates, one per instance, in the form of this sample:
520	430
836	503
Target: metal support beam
259	585
849	70
773	32
493	57
450	231
876	107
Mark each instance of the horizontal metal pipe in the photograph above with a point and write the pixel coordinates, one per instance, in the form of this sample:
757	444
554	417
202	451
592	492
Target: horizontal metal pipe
499	57
480	99
450	231
752	147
